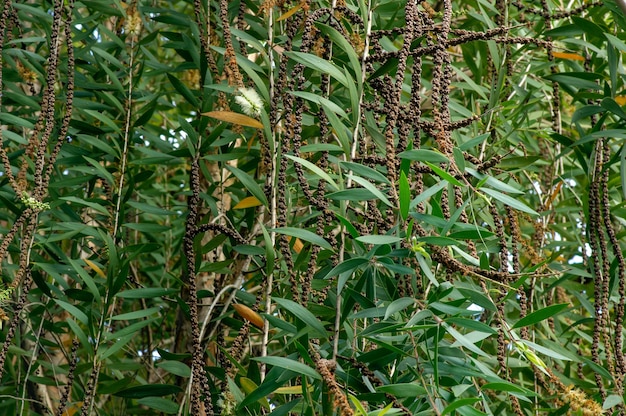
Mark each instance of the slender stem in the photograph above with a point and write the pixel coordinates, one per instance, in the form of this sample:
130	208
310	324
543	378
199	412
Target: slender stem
355	135
274	196
110	308
129	106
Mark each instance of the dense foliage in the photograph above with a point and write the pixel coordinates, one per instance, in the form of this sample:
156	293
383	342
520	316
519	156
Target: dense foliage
358	207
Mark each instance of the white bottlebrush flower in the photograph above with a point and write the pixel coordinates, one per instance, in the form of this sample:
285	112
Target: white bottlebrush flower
250	102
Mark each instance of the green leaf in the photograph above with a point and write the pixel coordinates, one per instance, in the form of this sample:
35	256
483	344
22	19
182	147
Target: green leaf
580	80
109	9
342	133
149	208
379	239
319	64
94	205
404	196
304	235
403	389
622	169
474	142
108	57
471	234
462	340
87	279
302	314
183	90
349	227
439	241
32	39
507	200
424	155
344	270
250	184
367	185
130	329
398	305
472	324
100	170
611	401
269	251
604	373
142	313
102	118
610	104
365	172
444	175
320	147
352	194
120	342
358	405
509	388
8	118
586	111
432	190
80	334
493	182
321	101
425	266
518	162
160	404
459	159
73	310
148	390
175	367
147	227
545	351
346	265
458	403
146	293
289	364
340	40
615	41
540	315
315	169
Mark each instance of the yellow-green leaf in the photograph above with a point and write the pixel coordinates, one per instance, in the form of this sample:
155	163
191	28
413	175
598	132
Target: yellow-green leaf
248	202
235	118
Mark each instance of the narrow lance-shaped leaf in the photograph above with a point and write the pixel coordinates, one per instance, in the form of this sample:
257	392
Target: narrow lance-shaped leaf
251	185
463	341
540	315
344	270
289	364
444	175
424	155
379	239
507	200
305	235
367	185
458	403
302	314
404	195
73	310
319	64
319	100
622	169
315	169
183	90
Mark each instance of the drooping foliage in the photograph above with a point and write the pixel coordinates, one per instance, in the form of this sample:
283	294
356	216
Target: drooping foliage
312	208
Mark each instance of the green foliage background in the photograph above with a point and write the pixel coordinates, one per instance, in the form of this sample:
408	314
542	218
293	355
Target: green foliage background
364	207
